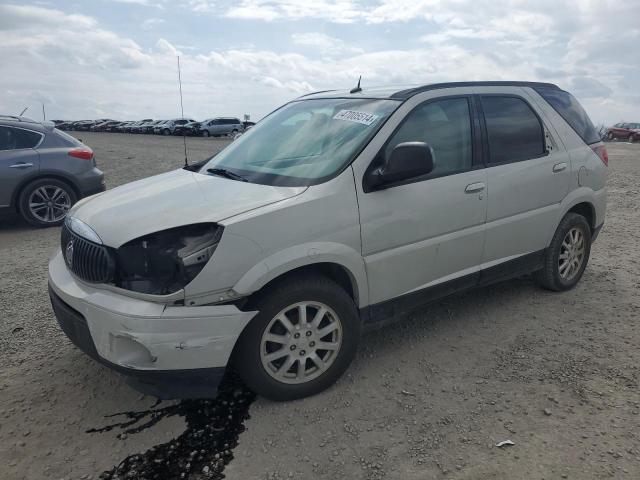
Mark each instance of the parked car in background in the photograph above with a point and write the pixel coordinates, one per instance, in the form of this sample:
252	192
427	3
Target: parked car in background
148	126
43	171
113	127
64	125
169	126
215	127
626	131
191	129
102	127
138	126
247	125
341	211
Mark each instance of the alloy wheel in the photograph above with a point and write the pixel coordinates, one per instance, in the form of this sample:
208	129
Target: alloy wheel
49	203
572	254
301	342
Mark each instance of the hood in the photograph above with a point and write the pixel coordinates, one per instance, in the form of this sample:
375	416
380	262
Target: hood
170	200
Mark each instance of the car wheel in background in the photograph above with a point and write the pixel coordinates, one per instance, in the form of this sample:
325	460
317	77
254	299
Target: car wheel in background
166	131
567	256
301	341
205	133
46	201
631	139
610	136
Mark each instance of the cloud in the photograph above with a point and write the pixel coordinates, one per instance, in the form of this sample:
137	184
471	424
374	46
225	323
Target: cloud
80	68
151	23
325	44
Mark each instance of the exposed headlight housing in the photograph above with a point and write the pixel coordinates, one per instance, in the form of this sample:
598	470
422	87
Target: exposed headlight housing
163	262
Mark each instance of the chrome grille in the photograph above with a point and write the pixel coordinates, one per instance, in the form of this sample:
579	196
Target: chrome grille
87	260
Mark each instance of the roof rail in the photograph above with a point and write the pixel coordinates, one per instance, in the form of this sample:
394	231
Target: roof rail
410	92
314	93
17	118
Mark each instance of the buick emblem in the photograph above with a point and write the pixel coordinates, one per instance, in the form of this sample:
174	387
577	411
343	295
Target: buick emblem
69	253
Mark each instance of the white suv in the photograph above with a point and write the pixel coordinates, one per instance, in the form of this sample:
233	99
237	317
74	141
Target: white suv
338	212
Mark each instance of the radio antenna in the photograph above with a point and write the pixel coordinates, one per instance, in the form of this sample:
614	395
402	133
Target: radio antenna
22	112
184	137
44	115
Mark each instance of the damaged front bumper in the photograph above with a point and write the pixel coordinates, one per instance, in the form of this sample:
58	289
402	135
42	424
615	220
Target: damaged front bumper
165	351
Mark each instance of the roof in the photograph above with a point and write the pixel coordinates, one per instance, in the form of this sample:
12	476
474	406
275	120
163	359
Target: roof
26	122
403	92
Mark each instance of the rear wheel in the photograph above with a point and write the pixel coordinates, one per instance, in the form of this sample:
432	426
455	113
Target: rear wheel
567	256
610	136
205	133
45	202
166	131
301	341
631	139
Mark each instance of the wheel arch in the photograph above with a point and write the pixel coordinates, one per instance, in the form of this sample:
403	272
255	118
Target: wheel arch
41	176
340	263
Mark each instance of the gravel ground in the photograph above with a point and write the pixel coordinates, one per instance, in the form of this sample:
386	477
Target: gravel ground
557	374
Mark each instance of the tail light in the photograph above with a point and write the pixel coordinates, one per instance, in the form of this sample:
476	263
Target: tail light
80	152
601	151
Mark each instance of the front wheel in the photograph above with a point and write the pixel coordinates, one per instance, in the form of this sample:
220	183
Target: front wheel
205	133
631	139
301	341
567	256
610	136
166	131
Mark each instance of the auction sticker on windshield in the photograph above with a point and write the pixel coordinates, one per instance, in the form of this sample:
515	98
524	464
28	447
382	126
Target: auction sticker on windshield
357	117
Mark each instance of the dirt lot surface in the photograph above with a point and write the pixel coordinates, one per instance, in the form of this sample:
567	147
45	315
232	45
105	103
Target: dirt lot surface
557	374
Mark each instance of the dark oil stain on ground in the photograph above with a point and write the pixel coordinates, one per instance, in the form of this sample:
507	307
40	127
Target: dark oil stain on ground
203	449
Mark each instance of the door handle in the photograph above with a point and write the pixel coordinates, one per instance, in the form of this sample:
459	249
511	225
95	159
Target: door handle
21	165
474	187
558	167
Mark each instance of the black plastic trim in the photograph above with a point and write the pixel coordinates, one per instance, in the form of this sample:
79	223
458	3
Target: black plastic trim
383	313
410	92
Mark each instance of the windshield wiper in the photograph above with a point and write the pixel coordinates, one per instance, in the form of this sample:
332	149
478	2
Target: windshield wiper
223	172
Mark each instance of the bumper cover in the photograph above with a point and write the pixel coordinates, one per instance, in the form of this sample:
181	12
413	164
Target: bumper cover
166	351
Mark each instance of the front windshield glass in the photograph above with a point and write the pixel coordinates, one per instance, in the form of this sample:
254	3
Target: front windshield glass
304	142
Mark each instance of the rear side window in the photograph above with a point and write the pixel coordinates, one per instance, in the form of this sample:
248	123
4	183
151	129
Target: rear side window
572	112
17	138
513	129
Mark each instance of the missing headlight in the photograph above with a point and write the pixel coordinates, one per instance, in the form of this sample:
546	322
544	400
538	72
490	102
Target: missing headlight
164	262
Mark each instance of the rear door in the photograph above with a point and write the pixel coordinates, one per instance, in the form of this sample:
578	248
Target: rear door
528	174
18	159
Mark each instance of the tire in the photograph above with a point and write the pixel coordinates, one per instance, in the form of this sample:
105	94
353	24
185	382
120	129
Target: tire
166	131
289	297
59	193
631	138
551	276
205	133
610	136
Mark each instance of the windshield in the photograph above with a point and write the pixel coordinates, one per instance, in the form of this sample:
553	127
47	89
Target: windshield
305	142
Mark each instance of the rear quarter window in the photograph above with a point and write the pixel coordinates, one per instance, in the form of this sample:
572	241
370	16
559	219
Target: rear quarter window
571	111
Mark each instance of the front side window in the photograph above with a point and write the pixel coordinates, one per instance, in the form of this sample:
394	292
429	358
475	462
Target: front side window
514	131
445	125
305	142
18	138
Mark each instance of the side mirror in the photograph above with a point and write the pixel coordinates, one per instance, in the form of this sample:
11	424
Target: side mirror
407	160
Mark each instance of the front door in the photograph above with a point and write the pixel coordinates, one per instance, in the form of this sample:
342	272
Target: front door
428	231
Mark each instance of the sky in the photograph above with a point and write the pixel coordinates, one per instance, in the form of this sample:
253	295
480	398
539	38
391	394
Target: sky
117	58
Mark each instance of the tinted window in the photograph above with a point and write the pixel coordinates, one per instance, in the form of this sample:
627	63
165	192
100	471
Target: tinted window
445	125
568	107
16	138
514	131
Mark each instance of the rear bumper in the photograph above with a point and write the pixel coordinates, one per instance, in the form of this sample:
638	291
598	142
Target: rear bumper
166	351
